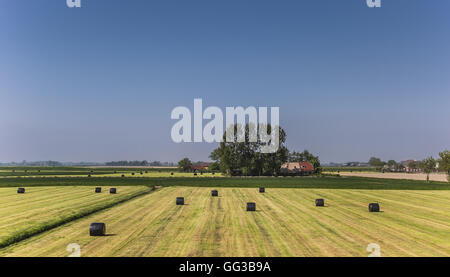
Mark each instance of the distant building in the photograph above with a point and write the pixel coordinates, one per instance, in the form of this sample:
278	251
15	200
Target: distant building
199	167
405	166
297	168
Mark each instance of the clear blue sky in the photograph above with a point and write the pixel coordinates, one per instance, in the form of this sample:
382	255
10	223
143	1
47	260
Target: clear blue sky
99	83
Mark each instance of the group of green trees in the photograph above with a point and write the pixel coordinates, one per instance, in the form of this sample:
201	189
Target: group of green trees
427	165
246	158
444	162
185	165
430	165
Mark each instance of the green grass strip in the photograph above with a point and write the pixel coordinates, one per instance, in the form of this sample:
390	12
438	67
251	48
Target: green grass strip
327	182
25	234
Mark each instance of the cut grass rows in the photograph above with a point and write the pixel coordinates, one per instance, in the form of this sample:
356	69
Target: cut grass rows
286	223
44	208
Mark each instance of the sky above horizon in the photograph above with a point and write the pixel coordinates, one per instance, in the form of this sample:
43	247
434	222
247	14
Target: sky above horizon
98	83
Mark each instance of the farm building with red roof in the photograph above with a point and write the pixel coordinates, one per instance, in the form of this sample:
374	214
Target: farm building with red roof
297	168
199	167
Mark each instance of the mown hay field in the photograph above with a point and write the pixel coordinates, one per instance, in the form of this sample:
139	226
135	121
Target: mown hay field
286	223
42	208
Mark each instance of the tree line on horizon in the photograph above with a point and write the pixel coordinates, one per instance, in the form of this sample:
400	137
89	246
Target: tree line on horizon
138	163
427	165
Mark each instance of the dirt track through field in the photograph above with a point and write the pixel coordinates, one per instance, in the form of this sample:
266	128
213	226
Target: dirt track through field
286	223
440	177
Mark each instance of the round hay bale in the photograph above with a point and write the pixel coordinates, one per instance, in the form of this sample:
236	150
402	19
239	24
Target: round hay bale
98	190
320	202
97	229
195	174
21	190
262	190
123	175
112	190
132	173
142	172
212	173
214	193
251	207
89	175
171	173
374	207
180	201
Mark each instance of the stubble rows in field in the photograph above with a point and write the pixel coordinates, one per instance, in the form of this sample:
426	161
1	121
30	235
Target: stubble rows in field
286	223
42	208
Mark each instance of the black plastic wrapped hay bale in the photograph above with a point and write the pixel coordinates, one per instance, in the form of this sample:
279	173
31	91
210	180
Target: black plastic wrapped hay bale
21	190
97	229
98	190
214	193
262	190
123	175
195	174
112	190
180	201
320	202
251	207
132	173
171	173
374	207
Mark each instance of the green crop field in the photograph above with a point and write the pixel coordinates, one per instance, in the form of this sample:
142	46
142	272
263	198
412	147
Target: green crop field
279	182
286	223
43	208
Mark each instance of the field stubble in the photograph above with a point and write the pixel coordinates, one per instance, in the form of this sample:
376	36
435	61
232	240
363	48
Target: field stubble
286	223
42	208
